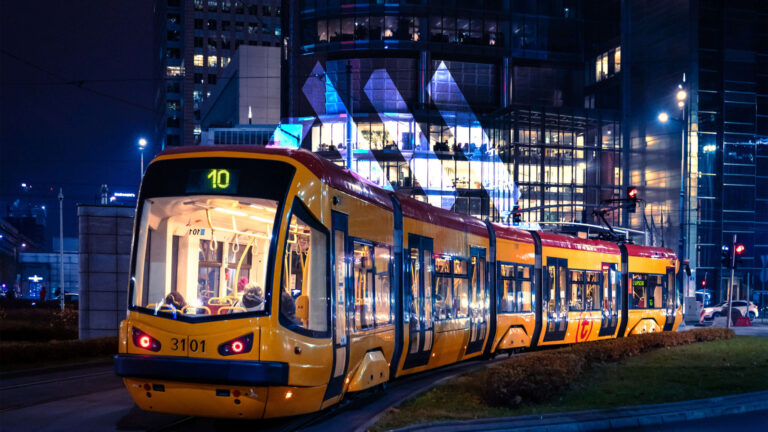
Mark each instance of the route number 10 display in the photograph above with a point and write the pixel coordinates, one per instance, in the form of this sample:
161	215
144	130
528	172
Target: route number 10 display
219	178
213	180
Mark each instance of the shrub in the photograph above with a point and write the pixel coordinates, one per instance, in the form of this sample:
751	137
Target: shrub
38	324
30	352
531	378
537	376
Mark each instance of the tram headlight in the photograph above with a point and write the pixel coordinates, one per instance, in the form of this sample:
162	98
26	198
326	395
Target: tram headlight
241	345
145	341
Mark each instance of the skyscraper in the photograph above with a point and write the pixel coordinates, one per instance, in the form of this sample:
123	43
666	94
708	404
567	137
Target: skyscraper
716	52
194	40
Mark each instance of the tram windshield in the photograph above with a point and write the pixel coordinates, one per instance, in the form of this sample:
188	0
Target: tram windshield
204	255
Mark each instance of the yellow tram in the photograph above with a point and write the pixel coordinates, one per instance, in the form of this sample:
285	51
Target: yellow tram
270	282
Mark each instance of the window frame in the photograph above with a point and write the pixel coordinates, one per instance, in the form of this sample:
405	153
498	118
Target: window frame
299	209
596	305
658	303
515	279
374	272
169	178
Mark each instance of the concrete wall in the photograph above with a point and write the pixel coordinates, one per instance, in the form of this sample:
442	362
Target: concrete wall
105	246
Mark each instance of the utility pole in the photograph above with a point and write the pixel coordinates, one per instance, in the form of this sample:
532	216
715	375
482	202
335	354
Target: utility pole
730	281
61	248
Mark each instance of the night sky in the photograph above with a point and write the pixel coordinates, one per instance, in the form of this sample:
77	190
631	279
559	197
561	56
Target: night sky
55	130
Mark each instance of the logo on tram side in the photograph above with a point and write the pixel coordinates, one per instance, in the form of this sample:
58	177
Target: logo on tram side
585	327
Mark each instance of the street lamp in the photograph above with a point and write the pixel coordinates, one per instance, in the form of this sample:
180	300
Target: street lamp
681	95
142	146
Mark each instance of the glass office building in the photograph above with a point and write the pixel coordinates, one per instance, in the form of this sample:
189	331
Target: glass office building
466	105
731	146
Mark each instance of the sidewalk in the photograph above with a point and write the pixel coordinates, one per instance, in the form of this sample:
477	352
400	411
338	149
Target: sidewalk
643	416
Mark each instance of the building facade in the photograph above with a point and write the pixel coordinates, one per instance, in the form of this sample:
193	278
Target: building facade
194	41
716	52
729	119
469	106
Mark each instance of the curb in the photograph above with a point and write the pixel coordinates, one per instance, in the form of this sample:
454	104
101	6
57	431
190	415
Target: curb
612	418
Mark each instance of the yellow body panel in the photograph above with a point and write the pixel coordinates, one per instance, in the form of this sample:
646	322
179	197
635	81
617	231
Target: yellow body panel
583	326
372	370
514	330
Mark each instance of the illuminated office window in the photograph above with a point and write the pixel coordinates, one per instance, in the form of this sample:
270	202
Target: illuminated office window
174	71
198	60
617	59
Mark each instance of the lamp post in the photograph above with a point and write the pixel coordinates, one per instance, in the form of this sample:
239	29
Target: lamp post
681	96
142	146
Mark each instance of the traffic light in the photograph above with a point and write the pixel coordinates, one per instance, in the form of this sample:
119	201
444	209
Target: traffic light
725	256
632	199
738	253
517	217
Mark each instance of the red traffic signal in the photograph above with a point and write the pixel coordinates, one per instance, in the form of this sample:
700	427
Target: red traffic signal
517	217
632	193
740	249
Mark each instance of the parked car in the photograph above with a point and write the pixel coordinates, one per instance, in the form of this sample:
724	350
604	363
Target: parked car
712	312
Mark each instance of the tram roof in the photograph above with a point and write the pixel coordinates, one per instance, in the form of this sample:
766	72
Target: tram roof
650	252
510	233
567	242
328	172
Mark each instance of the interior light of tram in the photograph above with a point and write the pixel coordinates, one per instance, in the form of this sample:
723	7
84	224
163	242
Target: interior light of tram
228	211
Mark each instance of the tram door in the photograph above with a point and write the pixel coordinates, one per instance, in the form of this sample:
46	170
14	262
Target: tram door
611	300
555	301
341	280
418	300
670	299
479	302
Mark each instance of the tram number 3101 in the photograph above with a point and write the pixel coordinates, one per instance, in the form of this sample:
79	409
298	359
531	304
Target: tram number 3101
180	344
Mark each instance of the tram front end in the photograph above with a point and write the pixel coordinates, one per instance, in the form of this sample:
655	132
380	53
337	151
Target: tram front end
224	312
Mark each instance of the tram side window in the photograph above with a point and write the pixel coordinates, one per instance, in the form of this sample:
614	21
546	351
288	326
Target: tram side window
639	293
412	296
382	260
304	292
592	292
460	288
611	290
363	280
655	288
443	289
515	289
578	284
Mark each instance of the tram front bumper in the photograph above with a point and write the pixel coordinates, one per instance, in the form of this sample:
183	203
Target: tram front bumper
198	370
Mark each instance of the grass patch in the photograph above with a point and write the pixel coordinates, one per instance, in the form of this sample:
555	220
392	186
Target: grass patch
700	370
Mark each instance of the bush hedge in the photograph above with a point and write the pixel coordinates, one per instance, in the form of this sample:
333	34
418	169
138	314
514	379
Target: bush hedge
37	324
33	352
538	376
